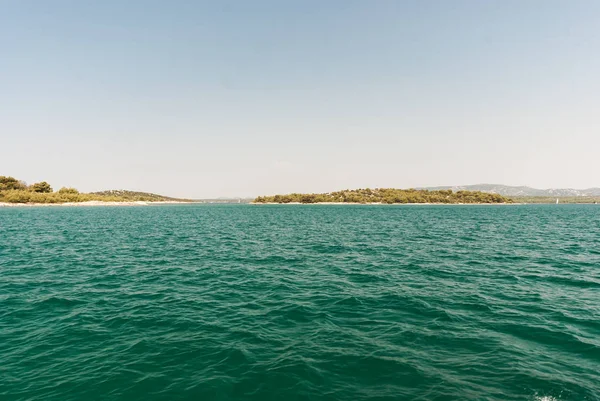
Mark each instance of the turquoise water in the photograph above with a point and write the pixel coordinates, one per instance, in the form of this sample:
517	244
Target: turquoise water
243	302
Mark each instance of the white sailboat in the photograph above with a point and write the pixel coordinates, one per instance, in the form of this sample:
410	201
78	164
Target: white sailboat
557	201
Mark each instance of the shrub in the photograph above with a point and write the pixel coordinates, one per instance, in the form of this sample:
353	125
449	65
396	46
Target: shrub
41	187
66	190
8	183
389	195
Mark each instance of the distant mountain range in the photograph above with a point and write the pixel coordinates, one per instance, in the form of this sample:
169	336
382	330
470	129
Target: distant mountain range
507	190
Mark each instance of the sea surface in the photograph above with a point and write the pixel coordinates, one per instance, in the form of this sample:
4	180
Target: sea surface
300	302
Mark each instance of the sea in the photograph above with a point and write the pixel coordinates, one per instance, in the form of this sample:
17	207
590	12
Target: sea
300	302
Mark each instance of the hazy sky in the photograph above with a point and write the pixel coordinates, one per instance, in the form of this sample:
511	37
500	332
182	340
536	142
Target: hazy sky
240	98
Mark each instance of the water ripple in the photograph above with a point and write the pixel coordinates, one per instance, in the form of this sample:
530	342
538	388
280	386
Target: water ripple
300	303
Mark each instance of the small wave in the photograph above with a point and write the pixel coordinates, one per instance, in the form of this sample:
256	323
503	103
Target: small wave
377	303
57	301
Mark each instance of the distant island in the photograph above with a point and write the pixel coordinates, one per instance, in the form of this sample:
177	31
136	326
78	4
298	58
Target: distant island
522	194
15	191
389	196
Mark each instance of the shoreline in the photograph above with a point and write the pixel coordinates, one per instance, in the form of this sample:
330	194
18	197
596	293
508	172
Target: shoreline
151	203
387	204
95	203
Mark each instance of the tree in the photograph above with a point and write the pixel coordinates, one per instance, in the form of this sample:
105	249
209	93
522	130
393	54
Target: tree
65	190
390	195
8	183
307	198
41	187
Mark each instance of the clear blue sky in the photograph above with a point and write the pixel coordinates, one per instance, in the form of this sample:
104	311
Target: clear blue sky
240	98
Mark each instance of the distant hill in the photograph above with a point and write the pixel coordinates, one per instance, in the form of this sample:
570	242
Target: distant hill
136	196
13	190
513	191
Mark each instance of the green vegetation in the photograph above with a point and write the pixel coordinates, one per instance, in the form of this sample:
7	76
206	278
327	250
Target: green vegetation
8	183
132	196
15	191
389	196
41	187
65	190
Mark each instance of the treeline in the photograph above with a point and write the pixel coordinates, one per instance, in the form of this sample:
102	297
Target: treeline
388	196
17	191
135	196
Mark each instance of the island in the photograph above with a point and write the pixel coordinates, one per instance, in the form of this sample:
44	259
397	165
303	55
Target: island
17	192
390	196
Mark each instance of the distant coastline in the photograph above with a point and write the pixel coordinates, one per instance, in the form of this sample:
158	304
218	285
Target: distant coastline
388	196
445	196
389	204
17	192
14	192
96	203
